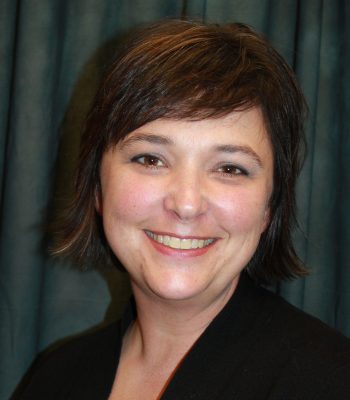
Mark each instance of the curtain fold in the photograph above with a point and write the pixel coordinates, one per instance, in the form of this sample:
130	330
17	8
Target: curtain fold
320	68
52	55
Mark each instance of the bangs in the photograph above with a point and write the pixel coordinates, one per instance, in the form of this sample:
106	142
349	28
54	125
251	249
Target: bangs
179	76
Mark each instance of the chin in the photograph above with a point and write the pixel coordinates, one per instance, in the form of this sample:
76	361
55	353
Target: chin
178	290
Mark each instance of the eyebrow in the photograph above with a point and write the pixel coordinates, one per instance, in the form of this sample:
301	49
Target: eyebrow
228	148
162	140
145	137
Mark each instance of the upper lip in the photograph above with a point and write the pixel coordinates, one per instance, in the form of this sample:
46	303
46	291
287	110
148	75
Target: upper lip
163	233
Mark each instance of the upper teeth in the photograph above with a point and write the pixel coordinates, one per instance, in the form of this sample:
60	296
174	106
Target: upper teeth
178	243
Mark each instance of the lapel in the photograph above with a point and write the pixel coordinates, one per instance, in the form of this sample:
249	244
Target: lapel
216	360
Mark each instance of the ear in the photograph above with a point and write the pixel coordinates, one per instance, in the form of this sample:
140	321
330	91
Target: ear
98	200
266	219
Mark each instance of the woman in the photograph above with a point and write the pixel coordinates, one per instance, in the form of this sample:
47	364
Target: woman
187	176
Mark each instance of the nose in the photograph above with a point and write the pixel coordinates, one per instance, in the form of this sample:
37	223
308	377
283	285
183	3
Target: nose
186	196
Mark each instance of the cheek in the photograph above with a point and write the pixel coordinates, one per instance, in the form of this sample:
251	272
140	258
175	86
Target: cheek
129	199
244	211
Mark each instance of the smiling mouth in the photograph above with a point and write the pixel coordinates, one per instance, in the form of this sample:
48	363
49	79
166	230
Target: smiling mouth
179	243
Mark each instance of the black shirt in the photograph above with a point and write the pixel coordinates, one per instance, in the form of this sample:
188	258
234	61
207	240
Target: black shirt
257	347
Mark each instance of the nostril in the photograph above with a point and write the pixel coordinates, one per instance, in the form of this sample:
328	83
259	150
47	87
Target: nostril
186	204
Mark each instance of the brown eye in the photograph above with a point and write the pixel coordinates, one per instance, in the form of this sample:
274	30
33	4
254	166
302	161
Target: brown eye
148	160
232	170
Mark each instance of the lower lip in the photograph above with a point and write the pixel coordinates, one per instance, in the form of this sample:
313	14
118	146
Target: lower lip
169	251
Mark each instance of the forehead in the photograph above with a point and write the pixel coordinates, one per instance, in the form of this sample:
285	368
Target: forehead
237	128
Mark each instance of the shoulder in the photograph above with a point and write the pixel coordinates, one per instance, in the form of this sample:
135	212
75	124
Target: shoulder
286	353
317	356
57	372
300	329
284	322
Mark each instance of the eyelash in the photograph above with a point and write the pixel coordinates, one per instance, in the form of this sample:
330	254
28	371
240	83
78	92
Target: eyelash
150	161
235	170
150	157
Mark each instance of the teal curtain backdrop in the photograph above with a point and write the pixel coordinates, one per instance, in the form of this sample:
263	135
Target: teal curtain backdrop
52	53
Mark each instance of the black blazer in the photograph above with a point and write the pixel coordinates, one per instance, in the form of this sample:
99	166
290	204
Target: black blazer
257	347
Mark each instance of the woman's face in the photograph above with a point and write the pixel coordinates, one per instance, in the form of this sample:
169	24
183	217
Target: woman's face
184	202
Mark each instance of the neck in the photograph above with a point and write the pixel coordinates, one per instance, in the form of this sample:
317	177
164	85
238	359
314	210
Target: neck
167	328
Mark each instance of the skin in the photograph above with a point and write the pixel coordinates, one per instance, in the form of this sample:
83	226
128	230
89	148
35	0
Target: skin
209	179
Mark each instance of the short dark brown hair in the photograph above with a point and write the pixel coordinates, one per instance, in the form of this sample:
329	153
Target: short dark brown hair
189	70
